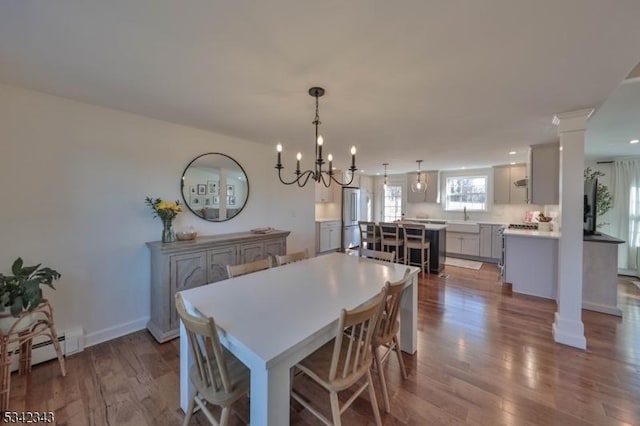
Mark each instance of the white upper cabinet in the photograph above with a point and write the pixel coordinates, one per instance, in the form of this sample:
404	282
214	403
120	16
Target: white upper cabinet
544	183
505	190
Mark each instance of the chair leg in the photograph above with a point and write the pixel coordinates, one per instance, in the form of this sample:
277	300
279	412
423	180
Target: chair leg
224	416
372	397
192	405
335	408
403	370
383	382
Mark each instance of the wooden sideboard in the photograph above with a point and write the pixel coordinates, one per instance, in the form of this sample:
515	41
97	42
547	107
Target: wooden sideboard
187	264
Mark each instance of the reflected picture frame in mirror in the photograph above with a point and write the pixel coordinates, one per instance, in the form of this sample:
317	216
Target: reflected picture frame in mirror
201	182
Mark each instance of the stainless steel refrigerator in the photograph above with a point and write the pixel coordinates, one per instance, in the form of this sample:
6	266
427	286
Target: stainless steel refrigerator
350	217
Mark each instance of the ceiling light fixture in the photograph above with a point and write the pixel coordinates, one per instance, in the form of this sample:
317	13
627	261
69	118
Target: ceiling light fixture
634	141
385	175
512	153
418	186
317	174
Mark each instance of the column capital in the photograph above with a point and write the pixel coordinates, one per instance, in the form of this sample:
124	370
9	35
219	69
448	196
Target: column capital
572	121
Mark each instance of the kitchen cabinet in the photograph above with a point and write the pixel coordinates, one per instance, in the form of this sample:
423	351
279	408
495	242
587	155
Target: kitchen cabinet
544	182
182	265
463	243
504	190
496	241
485	240
328	235
431	194
324	194
491	241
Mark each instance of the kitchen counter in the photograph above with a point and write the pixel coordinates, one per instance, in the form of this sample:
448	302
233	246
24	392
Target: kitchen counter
428	226
328	220
600	274
530	233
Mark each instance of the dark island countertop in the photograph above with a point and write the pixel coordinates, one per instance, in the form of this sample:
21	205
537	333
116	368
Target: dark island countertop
602	238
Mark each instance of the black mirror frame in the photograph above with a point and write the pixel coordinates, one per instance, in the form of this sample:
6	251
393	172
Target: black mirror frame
185	200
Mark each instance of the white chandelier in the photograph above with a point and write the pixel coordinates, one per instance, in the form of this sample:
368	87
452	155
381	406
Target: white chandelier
317	173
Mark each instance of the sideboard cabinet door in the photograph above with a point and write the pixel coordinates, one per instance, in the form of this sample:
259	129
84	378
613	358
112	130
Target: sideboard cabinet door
275	248
219	258
251	252
187	271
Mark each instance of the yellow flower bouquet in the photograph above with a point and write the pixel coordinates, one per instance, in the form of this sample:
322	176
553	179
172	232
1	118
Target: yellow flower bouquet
166	211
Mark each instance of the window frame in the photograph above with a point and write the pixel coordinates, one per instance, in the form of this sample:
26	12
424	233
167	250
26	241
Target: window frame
398	206
467	174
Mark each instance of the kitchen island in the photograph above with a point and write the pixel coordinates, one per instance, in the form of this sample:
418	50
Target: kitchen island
531	266
531	262
600	274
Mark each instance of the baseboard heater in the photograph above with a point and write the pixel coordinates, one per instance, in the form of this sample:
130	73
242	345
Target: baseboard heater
43	350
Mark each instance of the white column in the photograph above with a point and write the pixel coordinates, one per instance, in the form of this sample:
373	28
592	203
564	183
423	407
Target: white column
568	327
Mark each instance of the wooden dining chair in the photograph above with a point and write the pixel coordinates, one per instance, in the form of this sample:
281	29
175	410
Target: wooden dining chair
391	236
415	238
247	268
218	377
369	235
386	335
292	257
387	256
340	363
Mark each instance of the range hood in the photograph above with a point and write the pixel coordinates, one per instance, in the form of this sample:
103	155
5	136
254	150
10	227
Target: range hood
521	182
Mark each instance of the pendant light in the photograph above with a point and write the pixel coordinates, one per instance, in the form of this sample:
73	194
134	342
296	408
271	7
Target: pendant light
385	175
418	185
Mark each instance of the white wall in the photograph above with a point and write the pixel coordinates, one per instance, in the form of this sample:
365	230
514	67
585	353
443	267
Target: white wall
74	178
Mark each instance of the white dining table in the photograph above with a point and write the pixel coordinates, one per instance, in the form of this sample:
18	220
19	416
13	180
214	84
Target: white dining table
274	318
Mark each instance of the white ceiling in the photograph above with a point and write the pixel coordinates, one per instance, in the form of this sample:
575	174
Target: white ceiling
455	83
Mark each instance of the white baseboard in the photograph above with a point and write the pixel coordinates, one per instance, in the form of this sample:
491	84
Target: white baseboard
115	331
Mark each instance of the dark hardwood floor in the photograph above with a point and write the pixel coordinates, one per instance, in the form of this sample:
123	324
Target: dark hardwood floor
485	357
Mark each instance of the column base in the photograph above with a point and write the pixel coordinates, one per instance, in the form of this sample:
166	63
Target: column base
569	332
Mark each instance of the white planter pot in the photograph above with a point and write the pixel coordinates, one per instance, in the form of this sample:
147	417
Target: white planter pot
11	324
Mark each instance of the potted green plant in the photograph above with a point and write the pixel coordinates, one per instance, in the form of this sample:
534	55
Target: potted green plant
21	291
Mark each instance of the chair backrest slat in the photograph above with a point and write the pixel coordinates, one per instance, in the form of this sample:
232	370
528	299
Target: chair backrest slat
414	233
390	231
247	268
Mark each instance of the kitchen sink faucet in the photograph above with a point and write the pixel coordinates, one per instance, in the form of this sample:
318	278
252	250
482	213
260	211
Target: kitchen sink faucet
466	216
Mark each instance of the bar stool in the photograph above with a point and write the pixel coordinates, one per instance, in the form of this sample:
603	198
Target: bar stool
369	235
415	238
391	236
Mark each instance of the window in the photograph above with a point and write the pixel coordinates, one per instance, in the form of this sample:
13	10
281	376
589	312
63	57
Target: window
392	208
466	191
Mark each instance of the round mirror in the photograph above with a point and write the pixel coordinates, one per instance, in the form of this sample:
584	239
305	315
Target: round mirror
215	187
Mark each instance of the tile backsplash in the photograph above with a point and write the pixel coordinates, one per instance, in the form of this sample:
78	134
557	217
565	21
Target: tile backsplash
504	213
